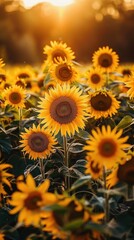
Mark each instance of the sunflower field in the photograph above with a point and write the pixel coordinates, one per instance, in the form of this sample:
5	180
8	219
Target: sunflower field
67	148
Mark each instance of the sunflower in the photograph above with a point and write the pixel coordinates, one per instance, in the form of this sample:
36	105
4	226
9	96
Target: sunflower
37	142
58	50
130	86
14	96
2	236
2	64
68	209
106	146
126	71
49	85
20	82
95	78
93	168
122	173
30	200
64	109
63	72
103	104
106	59
4	177
125	172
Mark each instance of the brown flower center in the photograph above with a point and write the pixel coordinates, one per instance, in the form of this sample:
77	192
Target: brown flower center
23	75
33	200
2	77
126	172
38	142
28	84
95	78
20	83
41	82
105	60
101	102
126	72
58	53
15	97
7	85
63	110
107	147
95	167
64	72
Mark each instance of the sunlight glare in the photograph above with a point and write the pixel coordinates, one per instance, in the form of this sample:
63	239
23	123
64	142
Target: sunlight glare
61	3
58	3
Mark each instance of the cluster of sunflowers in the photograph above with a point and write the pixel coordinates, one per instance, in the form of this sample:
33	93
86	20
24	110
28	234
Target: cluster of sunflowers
66	148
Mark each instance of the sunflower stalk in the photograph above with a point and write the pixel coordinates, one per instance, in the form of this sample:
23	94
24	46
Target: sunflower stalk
20	119
42	170
106	196
66	161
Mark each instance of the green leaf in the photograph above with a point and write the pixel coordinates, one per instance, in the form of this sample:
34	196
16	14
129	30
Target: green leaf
83	134
76	224
76	148
125	122
80	182
5	146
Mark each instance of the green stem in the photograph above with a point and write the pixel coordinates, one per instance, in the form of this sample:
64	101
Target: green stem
66	161
42	168
20	119
106	207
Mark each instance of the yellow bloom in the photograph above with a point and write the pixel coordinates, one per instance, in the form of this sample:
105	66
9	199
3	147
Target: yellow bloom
106	59
54	221
106	146
37	142
125	71
2	64
93	168
2	236
58	50
63	72
64	109
30	200
4	177
103	104
95	78
14	96
130	86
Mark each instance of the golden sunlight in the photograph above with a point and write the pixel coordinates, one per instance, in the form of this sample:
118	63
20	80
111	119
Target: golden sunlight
58	3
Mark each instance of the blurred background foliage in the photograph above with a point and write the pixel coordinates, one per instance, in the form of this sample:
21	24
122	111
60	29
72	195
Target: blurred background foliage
84	26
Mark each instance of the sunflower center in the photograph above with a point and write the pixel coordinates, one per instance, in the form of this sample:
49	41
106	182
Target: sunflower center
15	97
95	78
107	147
101	102
38	142
33	200
58	54
63	110
105	60
2	77
94	167
7	85
23	75
28	84
20	83
126	72
64	72
126	172
41	83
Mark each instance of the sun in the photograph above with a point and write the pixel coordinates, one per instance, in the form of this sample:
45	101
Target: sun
58	3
